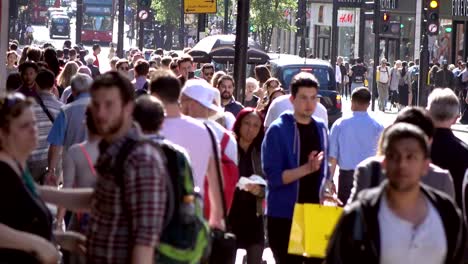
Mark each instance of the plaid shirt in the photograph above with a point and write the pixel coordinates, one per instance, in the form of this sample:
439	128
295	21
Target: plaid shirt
116	227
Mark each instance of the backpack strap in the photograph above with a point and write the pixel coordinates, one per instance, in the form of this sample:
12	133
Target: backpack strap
224	142
44	108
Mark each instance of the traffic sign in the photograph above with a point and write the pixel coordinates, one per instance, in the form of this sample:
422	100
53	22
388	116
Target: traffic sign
143	15
200	6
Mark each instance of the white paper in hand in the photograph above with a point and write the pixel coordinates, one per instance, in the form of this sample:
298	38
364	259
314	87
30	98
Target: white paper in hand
254	179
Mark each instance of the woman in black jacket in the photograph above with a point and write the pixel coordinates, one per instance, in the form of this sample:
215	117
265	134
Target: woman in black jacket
246	214
25	221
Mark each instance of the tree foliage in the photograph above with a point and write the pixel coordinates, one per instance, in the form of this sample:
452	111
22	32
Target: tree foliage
265	15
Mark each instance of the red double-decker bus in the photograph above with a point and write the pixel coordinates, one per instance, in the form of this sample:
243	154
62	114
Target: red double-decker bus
98	21
38	10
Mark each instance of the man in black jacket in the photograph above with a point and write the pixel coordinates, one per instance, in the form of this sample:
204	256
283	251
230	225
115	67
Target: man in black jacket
402	221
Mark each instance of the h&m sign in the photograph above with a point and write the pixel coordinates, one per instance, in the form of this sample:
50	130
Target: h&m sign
384	4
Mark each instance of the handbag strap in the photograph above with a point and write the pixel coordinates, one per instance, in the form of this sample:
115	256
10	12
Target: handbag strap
88	159
44	108
218	171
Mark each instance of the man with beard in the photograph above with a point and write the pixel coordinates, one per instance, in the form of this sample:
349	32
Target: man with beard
402	220
226	89
28	71
128	204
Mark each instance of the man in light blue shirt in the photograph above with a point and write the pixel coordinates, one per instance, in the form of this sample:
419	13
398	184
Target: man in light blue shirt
353	138
68	127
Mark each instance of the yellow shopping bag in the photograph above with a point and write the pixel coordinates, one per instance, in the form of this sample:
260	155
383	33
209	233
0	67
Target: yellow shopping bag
311	229
296	237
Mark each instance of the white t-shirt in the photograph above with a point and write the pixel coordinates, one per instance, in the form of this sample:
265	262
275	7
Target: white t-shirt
402	242
282	104
192	135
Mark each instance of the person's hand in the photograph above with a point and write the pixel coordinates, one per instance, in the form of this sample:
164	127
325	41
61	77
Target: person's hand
51	178
254	189
45	251
330	196
315	161
217	223
71	241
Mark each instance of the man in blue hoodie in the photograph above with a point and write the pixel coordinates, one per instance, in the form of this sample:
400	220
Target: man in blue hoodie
294	155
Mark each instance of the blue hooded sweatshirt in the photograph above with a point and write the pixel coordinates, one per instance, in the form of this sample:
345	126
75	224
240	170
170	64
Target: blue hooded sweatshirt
280	152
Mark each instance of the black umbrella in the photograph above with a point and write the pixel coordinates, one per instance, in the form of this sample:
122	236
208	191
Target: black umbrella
220	48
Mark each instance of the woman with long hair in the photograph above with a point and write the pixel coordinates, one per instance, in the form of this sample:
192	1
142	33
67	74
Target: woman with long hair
246	214
26	223
262	74
405	94
64	78
50	57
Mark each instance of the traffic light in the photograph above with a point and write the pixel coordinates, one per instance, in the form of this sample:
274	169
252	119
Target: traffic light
144	9
432	17
385	23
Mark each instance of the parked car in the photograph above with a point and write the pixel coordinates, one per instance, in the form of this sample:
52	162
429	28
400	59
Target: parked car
284	67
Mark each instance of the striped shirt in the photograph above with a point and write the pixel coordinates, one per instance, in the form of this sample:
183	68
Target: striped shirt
119	223
44	125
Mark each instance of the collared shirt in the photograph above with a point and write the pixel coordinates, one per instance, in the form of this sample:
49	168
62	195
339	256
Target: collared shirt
140	82
234	107
69	128
44	125
403	242
354	138
129	215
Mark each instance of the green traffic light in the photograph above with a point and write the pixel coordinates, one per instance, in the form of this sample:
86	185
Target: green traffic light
448	30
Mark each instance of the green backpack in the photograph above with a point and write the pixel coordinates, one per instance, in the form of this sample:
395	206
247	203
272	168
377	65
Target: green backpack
185	237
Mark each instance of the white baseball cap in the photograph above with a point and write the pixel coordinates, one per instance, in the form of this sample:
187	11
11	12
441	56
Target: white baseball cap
202	92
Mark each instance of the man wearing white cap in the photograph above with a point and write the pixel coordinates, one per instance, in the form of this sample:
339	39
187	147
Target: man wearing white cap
198	100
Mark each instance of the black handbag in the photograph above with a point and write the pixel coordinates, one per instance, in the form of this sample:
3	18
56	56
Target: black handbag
223	243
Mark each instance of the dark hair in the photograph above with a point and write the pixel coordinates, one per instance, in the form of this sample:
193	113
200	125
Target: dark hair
45	79
13	82
113	79
28	64
72	52
174	65
50	57
12	106
262	73
404	68
303	79
361	95
13	46
184	58
148	113
142	67
159	51
237	125
166	86
90	121
120	62
207	66
359	60
166	61
34	54
96	46
225	78
419	117
400	131
60	53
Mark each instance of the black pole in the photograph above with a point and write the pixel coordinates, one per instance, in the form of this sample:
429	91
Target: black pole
376	49
362	30
240	54
79	20
226	16
303	24
334	40
120	28
182	26
201	25
141	34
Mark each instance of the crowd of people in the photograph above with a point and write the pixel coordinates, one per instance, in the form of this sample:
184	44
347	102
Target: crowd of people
88	171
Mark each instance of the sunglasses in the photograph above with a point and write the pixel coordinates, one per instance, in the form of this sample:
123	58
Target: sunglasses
11	100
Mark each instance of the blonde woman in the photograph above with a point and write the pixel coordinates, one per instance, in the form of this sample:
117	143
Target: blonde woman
64	78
